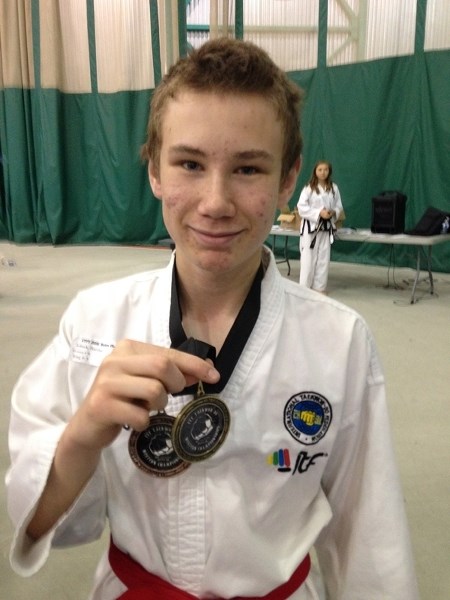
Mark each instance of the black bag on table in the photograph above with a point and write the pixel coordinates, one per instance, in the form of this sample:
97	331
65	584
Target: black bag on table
430	223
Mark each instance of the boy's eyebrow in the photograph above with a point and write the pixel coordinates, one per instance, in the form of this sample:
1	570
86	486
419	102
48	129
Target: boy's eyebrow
250	154
184	148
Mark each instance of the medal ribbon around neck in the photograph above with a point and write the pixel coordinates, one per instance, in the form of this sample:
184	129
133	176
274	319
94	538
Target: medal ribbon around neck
170	444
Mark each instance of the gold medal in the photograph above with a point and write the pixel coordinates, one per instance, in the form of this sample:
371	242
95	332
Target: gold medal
201	427
152	450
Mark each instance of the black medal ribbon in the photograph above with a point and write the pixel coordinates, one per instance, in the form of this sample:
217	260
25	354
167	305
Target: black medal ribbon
198	348
237	337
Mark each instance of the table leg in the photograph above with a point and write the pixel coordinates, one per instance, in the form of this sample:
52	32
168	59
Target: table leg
416	280
430	274
286	257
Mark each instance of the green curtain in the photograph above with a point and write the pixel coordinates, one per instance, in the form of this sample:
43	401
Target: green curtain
72	168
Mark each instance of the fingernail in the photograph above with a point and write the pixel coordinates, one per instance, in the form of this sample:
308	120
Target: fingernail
213	374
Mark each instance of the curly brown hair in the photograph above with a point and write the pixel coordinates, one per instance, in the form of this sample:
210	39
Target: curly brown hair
229	66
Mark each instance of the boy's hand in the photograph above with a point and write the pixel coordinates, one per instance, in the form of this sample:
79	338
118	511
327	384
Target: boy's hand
132	381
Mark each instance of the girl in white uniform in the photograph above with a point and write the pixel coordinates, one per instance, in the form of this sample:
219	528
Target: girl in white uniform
223	495
319	206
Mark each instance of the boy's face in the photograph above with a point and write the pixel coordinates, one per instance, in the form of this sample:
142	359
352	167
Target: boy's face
219	178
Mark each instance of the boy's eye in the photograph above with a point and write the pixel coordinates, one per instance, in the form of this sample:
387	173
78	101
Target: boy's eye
248	170
191	165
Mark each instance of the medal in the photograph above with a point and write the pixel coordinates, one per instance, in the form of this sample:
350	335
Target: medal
169	445
201	427
152	450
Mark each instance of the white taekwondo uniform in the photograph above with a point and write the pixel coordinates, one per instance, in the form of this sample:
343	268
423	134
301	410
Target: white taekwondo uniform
308	461
315	261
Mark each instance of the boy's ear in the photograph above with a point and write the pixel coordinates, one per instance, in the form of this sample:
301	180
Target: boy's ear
287	186
155	182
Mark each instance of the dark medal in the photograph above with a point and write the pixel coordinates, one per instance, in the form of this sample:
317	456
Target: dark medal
152	450
201	427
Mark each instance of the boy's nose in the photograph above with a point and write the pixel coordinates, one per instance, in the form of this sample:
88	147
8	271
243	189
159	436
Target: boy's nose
216	198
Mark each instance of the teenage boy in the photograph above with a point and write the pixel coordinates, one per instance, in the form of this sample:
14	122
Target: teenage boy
224	420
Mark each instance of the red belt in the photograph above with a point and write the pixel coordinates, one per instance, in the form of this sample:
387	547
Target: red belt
143	585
